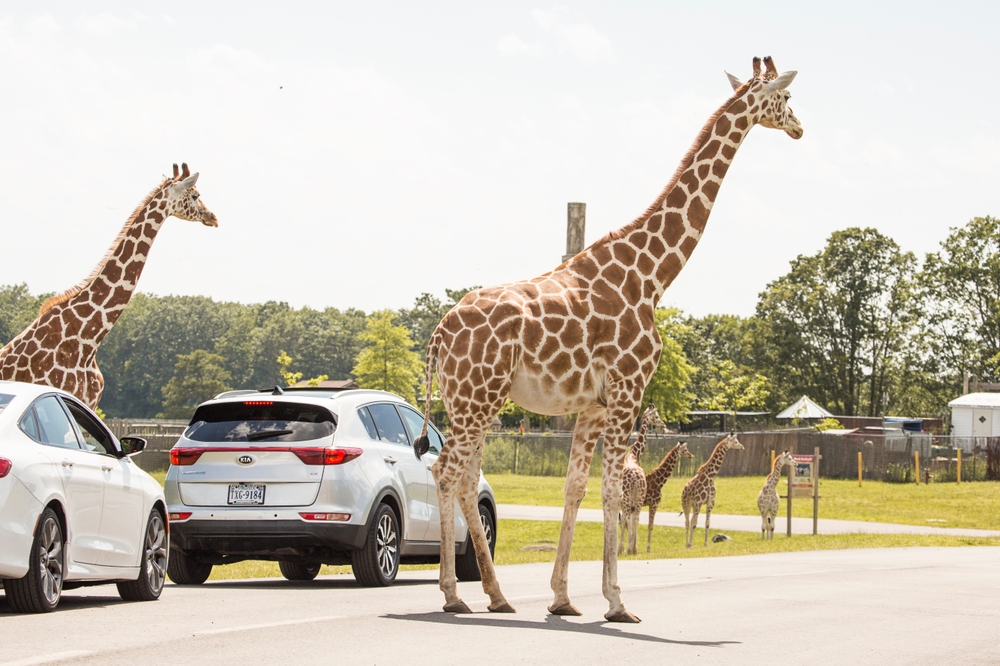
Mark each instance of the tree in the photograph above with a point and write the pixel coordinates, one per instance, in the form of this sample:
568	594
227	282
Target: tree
18	308
837	320
668	388
198	377
732	390
426	314
387	361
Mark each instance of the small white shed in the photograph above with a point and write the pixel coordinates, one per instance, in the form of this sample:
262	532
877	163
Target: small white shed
976	415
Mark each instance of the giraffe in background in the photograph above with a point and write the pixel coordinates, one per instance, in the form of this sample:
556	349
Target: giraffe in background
768	501
701	488
634	483
59	348
654	484
580	339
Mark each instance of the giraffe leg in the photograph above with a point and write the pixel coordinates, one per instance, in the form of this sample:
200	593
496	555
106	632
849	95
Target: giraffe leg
589	424
624	400
649	532
445	482
468	501
693	525
763	527
708	520
622	531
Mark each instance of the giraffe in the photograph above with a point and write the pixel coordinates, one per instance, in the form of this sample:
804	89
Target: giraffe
634	483
767	500
580	339
701	488
59	348
654	484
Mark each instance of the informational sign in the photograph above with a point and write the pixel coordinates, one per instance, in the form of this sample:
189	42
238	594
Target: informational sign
803	476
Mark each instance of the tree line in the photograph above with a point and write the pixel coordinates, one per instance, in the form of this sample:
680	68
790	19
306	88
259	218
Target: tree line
861	326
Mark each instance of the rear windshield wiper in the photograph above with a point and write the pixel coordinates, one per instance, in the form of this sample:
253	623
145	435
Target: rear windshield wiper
266	434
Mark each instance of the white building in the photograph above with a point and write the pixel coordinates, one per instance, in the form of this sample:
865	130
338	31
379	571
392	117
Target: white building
976	415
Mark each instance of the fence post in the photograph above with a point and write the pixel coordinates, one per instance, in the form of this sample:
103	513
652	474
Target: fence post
816	458
860	468
959	469
791	470
772	459
916	466
517	444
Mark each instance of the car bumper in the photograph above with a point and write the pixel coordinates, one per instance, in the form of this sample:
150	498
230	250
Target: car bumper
264	539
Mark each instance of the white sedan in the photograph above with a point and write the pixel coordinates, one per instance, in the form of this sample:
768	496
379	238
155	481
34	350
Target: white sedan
74	509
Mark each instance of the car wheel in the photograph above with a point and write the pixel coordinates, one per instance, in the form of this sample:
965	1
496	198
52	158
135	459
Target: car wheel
41	588
377	562
185	570
466	566
152	567
299	570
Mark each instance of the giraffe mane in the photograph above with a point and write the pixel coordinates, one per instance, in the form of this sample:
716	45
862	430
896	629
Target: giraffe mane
714	451
59	299
703	136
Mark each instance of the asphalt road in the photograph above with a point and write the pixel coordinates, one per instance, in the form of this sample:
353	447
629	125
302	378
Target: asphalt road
891	606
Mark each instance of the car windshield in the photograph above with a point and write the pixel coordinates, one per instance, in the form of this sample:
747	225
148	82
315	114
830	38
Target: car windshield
5	399
260	421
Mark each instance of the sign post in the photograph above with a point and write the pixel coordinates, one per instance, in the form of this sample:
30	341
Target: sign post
803	481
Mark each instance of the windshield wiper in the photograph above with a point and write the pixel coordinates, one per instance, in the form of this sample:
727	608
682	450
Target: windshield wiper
266	434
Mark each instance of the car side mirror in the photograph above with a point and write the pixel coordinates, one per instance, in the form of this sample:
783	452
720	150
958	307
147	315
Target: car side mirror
132	445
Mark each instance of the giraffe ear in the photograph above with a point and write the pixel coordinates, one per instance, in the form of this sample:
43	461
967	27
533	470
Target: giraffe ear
734	81
783	81
188	182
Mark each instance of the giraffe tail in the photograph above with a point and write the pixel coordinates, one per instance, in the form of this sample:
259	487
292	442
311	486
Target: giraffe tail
423	443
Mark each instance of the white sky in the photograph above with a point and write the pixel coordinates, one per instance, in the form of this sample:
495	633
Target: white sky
358	154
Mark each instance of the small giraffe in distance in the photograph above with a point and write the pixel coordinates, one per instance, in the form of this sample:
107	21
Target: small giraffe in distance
768	501
701	488
654	484
59	348
582	339
634	483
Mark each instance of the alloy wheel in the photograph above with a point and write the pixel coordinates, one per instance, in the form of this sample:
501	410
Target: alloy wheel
50	554
385	537
155	552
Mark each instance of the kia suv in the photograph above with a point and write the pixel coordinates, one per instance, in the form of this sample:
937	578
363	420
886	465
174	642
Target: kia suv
307	477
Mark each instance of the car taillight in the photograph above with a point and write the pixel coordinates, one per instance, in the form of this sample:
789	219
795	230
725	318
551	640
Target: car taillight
183	515
326	456
339	517
185	455
5	466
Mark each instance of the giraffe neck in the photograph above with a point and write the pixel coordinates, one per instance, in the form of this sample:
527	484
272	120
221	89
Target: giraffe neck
711	468
774	476
640	443
99	300
658	243
663	471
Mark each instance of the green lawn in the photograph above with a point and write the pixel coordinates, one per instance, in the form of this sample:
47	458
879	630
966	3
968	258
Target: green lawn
973	505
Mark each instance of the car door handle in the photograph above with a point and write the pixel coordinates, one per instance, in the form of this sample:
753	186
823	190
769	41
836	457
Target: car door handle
66	463
390	460
429	466
107	468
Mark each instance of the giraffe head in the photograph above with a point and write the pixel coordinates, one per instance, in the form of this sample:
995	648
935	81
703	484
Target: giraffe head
770	92
183	199
682	450
732	443
651	418
782	460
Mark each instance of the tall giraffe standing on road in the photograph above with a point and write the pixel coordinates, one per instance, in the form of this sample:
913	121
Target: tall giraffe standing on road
654	484
701	488
59	348
768	501
580	338
634	483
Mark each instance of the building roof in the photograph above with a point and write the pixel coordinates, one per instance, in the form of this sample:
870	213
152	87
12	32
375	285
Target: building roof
804	408
987	400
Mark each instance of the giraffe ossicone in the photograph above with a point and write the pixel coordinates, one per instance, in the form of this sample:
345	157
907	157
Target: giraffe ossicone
767	500
580	338
59	348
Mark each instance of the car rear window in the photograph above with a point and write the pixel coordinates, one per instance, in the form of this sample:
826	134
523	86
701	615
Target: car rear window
260	421
5	400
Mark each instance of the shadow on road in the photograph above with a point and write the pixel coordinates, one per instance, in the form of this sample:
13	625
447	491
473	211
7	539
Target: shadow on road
551	623
69	601
318	584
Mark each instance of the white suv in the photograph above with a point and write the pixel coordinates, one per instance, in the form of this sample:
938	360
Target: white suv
307	477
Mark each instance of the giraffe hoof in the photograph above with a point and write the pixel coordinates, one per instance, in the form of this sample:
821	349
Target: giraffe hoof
565	609
457	607
622	616
502	608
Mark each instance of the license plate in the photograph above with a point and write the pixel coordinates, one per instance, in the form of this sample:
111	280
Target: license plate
243	493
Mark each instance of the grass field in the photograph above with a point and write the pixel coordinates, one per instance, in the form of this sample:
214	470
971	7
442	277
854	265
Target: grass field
972	505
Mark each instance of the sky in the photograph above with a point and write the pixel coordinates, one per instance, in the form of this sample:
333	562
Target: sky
359	154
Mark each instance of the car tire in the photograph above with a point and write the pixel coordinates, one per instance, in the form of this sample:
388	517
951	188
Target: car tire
40	589
152	566
466	566
299	570
185	570
377	562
